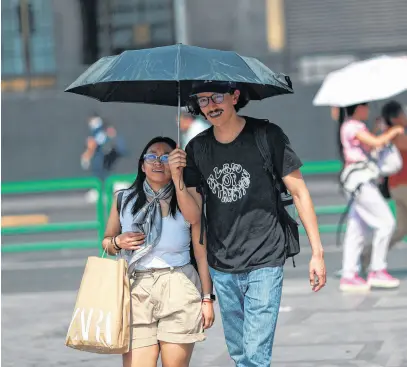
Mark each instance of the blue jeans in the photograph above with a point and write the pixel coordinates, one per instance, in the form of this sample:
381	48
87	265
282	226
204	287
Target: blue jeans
249	304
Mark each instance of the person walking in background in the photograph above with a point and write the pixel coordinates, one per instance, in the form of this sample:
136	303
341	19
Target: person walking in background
190	127
104	147
171	303
247	245
394	115
368	209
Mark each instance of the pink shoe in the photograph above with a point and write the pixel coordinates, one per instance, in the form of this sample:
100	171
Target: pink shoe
355	284
382	279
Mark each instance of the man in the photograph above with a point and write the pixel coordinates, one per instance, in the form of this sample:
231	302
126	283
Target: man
103	149
191	127
246	248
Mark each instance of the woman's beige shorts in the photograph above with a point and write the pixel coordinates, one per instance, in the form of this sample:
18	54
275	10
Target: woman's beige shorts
166	306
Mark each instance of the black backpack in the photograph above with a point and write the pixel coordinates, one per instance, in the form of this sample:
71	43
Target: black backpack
282	196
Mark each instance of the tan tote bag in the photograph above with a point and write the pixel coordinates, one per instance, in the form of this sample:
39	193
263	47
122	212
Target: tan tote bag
101	318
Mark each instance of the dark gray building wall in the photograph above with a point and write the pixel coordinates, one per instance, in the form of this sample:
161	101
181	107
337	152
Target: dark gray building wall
44	135
238	25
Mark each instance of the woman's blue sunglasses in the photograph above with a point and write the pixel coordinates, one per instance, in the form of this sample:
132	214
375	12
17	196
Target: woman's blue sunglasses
151	158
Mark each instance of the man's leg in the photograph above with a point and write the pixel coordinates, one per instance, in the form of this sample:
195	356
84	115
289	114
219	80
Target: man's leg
261	307
231	297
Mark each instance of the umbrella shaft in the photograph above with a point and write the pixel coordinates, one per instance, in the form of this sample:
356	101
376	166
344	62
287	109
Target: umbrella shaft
179	114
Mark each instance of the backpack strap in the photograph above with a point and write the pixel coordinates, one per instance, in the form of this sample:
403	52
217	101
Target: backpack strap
260	135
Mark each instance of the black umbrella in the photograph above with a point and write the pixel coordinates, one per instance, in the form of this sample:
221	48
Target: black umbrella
163	75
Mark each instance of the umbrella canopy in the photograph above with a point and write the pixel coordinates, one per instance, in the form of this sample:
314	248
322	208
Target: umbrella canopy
163	75
364	81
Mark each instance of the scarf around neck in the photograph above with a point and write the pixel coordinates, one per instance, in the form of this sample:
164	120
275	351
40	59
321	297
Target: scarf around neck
148	220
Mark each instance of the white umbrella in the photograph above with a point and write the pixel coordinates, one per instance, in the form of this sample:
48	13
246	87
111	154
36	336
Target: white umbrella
364	81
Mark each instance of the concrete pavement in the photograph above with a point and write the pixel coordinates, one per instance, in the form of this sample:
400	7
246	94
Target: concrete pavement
328	329
316	330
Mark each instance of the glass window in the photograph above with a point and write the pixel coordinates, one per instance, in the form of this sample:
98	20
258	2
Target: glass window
42	46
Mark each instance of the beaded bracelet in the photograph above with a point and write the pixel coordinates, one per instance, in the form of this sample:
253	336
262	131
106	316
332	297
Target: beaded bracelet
115	245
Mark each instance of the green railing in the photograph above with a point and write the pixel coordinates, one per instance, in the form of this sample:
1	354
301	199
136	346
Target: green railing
109	186
56	186
104	203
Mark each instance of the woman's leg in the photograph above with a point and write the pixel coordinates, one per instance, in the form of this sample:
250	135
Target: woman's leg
373	209
352	247
375	212
142	357
175	355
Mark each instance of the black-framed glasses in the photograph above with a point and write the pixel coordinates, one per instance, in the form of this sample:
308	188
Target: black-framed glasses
152	158
216	98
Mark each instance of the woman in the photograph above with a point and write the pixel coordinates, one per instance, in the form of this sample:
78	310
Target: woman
369	209
169	310
394	115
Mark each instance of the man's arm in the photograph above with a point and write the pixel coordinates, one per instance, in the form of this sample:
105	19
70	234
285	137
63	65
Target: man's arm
303	202
189	202
287	165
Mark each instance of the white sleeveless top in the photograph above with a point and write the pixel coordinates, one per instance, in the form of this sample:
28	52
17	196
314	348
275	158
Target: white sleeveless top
173	248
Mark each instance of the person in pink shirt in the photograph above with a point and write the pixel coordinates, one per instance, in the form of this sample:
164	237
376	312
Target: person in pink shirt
369	209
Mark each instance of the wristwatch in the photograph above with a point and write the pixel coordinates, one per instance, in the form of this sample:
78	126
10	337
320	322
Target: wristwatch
209	296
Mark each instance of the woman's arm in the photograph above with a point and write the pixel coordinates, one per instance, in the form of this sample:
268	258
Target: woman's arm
201	259
112	229
208	312
114	238
401	142
374	141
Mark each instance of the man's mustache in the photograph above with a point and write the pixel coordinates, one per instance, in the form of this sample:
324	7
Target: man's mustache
214	111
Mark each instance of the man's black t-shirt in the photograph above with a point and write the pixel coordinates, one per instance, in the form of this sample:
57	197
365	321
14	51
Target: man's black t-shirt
243	230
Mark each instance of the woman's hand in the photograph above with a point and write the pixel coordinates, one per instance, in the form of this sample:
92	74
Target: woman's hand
177	161
130	240
208	314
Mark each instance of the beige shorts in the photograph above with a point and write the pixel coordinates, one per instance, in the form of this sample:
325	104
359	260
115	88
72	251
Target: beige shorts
166	306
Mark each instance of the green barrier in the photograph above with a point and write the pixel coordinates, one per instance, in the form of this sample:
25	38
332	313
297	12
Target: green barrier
324	229
104	204
109	187
321	167
47	246
50	185
11	188
51	227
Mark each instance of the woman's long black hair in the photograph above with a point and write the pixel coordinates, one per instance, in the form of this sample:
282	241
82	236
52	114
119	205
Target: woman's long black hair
137	187
341	120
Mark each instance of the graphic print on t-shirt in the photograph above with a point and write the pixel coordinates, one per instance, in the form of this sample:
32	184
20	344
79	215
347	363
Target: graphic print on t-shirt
230	182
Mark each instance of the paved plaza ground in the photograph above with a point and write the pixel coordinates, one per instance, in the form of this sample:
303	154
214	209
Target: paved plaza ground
328	329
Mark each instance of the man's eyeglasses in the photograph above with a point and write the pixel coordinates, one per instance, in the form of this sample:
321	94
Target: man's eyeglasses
152	158
216	98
